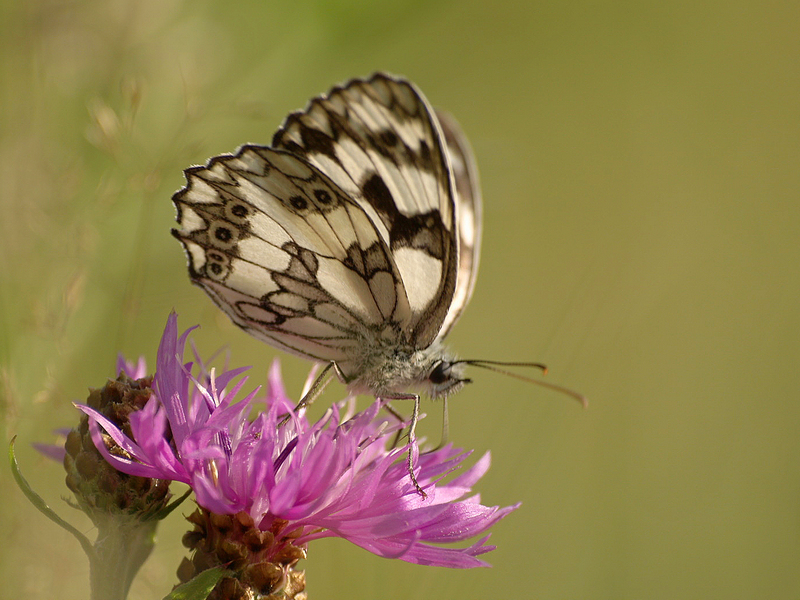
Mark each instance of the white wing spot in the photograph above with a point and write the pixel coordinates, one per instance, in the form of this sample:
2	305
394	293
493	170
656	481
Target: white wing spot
382	286
349	289
421	274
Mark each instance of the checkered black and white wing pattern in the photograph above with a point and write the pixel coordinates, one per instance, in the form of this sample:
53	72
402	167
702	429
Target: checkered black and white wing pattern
384	146
289	256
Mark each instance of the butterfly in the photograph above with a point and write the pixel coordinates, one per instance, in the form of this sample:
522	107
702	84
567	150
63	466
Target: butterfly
353	239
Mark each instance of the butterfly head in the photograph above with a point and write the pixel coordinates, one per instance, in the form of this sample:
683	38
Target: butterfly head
446	377
388	370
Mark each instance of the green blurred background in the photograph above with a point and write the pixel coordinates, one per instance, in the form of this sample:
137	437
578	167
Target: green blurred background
640	165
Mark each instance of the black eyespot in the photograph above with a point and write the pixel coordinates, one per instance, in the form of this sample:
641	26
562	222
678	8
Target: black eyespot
223	234
439	374
322	196
215	268
298	202
239	210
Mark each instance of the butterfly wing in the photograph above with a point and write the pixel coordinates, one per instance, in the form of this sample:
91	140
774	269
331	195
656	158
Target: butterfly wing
380	141
469	217
288	256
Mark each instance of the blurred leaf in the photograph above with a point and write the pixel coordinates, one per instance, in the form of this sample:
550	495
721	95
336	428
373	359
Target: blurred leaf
43	507
201	586
164	512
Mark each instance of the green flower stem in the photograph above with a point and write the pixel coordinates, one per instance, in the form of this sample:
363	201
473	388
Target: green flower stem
121	548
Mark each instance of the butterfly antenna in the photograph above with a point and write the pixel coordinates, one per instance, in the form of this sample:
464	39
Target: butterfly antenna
492	365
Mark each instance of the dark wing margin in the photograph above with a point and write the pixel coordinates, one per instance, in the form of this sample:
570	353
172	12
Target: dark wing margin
469	216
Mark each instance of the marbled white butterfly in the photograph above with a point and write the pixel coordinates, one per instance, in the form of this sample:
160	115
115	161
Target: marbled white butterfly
352	240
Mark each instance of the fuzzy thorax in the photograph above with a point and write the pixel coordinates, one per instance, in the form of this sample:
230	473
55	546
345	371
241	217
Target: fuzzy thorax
388	369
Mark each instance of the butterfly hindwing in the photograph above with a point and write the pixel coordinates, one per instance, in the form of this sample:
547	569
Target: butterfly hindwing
288	255
381	143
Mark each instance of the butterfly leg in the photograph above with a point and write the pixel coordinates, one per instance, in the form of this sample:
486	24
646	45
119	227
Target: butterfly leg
412	437
320	383
400	418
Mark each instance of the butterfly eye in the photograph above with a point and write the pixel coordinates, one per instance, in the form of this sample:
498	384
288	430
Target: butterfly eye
439	374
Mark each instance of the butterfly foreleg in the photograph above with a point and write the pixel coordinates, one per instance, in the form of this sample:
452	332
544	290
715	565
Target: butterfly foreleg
320	383
412	436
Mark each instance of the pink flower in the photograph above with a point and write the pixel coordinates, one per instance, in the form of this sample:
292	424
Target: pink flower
340	476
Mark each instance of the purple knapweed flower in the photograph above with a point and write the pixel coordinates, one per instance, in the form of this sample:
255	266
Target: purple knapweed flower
340	476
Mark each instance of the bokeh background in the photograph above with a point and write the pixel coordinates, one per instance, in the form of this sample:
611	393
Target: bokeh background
640	165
